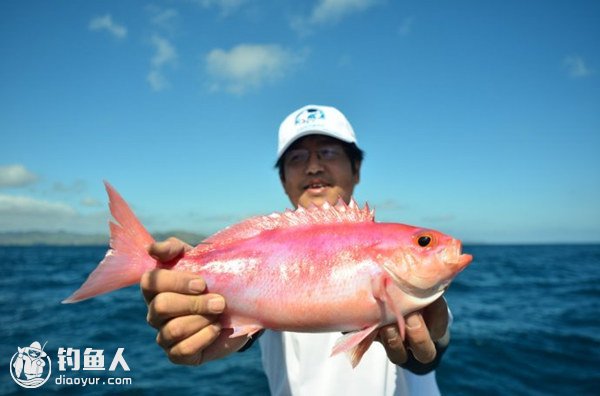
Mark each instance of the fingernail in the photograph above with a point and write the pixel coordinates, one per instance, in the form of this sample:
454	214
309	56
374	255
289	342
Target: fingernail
391	335
216	305
196	285
216	327
413	322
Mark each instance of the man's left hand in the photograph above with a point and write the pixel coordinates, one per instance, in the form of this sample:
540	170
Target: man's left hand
423	328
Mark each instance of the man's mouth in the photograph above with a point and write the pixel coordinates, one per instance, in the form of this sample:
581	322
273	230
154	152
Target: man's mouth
316	185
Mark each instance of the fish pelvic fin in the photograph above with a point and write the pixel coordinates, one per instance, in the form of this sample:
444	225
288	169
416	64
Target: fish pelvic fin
355	344
247	330
126	260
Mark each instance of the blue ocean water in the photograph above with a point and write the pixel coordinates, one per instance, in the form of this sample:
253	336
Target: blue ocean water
527	322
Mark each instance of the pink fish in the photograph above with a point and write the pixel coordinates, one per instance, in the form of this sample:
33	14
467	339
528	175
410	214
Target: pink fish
322	269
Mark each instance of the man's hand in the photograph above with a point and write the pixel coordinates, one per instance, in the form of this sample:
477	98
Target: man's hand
186	319
423	328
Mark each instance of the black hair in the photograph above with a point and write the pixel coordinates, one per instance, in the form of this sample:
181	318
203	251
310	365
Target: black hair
355	155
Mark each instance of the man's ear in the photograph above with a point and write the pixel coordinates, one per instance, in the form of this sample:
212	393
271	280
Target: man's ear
357	172
281	172
282	179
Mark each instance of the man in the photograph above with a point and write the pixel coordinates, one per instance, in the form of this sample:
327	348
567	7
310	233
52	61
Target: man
318	161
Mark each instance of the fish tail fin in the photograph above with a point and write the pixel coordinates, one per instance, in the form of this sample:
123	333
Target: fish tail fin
127	259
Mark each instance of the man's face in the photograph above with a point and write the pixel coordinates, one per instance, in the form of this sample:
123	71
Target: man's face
317	170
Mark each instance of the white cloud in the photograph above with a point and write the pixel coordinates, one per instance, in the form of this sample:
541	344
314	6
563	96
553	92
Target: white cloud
91	202
21	213
157	80
78	186
389	205
406	26
164	55
249	66
344	60
163	18
21	205
15	176
576	67
106	23
442	218
165	52
226	6
328	12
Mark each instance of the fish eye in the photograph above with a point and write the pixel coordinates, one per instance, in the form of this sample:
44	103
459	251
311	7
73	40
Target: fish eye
424	240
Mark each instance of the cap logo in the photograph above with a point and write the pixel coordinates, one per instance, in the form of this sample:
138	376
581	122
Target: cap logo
309	116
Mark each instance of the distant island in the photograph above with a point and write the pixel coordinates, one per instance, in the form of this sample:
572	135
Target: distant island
64	238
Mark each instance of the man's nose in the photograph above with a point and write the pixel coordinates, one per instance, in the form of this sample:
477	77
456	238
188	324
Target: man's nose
313	164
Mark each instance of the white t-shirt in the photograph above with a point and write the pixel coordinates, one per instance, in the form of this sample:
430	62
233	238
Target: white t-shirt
299	364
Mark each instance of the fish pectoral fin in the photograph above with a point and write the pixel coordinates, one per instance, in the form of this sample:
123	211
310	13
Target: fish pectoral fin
382	294
355	344
245	330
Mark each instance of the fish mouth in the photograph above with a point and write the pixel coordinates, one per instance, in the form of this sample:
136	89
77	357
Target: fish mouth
454	257
463	260
460	262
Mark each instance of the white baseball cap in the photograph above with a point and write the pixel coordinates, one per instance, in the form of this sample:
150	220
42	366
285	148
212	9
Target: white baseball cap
314	120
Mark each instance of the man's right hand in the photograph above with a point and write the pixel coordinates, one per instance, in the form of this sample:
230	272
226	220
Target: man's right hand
186	319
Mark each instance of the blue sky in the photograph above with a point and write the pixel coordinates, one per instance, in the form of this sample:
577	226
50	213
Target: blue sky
480	119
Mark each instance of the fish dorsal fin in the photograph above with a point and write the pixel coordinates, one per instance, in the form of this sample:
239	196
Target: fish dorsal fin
325	214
